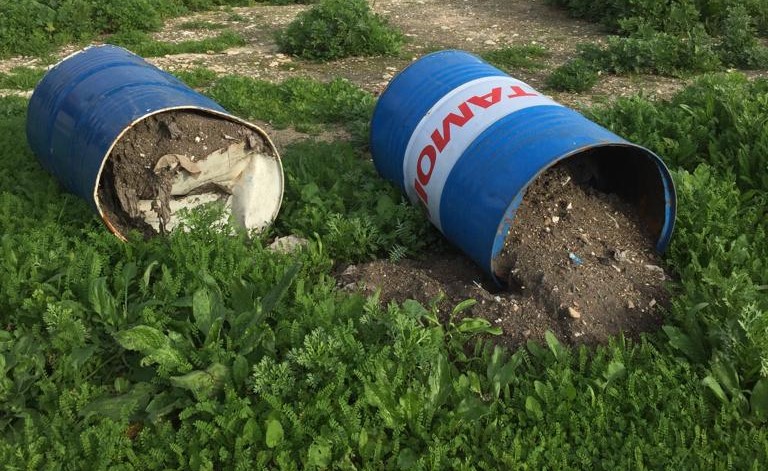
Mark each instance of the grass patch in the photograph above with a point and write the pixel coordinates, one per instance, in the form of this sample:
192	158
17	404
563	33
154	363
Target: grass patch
333	29
143	45
576	75
38	27
199	77
21	78
299	102
513	58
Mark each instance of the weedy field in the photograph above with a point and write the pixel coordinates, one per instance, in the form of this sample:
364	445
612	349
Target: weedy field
207	351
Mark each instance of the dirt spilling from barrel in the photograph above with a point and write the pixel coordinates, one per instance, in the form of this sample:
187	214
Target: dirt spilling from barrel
577	261
176	161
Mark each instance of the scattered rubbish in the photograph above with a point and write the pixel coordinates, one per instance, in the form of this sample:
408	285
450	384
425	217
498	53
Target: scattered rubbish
656	269
620	255
575	259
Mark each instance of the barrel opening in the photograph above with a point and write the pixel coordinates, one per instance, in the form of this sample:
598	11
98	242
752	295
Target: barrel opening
630	172
170	162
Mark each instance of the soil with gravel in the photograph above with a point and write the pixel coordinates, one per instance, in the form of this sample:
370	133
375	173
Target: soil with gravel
577	262
132	173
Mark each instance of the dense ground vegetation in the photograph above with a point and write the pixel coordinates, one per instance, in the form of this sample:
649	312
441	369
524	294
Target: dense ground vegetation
673	38
204	350
339	28
38	26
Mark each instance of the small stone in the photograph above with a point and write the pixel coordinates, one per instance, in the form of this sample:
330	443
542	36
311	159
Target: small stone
652	303
497	299
555	219
287	244
498	321
630	304
655	268
573	313
197	139
620	255
489	42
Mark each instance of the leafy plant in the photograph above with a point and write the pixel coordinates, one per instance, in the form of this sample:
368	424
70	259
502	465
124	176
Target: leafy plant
299	102
333	29
674	38
38	26
21	78
576	75
511	58
198	77
333	194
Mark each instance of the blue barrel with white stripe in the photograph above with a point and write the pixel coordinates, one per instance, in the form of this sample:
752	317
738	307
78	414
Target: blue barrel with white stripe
464	140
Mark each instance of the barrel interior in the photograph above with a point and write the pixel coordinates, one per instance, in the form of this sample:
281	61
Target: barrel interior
631	173
173	161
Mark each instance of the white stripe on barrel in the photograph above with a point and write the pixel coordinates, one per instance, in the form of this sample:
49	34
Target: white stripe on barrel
451	125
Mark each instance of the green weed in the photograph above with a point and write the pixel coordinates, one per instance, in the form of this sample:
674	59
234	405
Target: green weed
333	193
333	29
198	77
37	27
675	38
511	58
299	102
143	45
21	78
576	75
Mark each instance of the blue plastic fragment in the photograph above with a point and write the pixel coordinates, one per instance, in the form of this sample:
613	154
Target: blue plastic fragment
575	259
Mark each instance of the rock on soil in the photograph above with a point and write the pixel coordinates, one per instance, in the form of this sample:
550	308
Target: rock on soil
180	160
577	262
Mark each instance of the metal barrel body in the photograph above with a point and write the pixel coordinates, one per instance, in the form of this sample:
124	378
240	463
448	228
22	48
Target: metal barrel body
86	102
464	140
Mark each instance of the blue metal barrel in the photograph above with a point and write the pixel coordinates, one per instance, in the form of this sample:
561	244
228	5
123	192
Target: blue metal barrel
464	140
85	103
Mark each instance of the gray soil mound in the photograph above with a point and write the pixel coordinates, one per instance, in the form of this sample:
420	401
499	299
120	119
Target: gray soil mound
138	176
577	262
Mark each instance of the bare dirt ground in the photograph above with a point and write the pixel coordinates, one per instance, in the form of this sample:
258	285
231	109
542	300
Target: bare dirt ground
429	25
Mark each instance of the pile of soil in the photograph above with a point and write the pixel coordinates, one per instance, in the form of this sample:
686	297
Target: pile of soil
577	262
146	160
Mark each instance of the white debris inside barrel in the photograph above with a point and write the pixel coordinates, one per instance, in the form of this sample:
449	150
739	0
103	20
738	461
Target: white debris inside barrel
239	176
